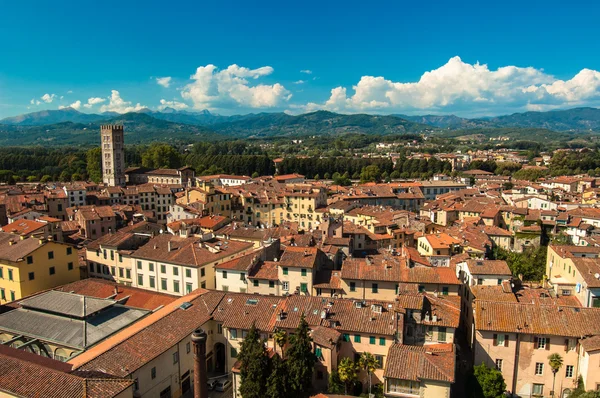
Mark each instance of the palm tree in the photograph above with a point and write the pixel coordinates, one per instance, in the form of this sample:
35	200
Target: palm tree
348	372
555	361
368	362
280	337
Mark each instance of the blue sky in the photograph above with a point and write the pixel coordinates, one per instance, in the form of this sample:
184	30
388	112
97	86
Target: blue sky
377	57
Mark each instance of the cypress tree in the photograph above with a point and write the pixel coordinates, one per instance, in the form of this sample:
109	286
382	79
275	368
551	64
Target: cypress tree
254	367
300	361
277	382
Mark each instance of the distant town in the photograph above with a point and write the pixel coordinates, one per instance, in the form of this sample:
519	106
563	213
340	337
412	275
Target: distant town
481	273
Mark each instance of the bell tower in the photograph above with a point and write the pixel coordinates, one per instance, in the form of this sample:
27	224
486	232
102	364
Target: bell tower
113	155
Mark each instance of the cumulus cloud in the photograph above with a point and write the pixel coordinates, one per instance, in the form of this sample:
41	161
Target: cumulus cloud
48	98
300	82
171	104
212	88
119	105
93	101
34	102
458	86
306	71
164	81
74	105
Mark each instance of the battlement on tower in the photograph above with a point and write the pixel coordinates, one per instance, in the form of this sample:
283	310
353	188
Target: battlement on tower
111	127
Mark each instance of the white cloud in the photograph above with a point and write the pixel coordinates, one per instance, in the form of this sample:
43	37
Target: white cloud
164	81
48	98
461	87
300	82
74	105
306	71
34	102
70	92
93	101
213	89
171	104
119	105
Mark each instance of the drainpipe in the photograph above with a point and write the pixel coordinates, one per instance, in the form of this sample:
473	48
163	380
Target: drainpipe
516	367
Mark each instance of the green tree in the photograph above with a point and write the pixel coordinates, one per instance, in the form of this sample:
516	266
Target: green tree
94	164
300	361
255	175
370	173
317	177
555	361
489	382
280	338
32	179
327	176
161	156
65	176
45	178
254	365
348	372
336	386
277	383
368	363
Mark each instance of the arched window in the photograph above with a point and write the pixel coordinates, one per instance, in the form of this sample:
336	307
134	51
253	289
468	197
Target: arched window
60	354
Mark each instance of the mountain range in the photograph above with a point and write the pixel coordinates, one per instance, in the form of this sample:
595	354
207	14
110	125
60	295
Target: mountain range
69	126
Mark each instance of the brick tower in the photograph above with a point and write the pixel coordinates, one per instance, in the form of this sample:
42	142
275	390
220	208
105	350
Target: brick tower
113	155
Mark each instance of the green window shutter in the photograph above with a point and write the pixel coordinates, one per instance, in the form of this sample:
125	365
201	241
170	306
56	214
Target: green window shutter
372	340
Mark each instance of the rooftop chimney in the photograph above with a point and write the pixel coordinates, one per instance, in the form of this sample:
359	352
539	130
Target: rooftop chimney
200	376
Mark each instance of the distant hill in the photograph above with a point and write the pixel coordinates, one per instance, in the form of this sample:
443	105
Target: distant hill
577	119
51	117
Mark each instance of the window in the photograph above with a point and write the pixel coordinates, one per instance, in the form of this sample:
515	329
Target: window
255	282
499	364
271	284
29	259
31	276
303	272
52	270
153	373
176	286
176	271
140	280
403	386
163	284
285	286
139	265
219	328
374	288
188	347
242	276
120	258
233	352
188	272
541	343
352	286
202	272
379	359
128	273
10	274
151	267
152	282
441	334
421	289
12	295
176	357
499	281
357	338
538	390
569	371
70	266
501	340
445	290
224	274
233	334
113	270
382	341
285	271
188	288
539	368
50	255
303	287
346	337
91	267
372	340
163	269
2	294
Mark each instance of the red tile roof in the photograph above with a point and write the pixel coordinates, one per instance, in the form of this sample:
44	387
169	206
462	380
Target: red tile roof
432	362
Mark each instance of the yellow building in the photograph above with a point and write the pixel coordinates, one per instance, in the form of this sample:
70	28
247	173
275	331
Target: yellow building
30	265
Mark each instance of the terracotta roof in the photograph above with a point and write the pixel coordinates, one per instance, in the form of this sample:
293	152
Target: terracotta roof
328	279
591	344
488	267
240	311
12	247
300	257
325	337
24	375
537	319
267	270
432	362
23	227
492	293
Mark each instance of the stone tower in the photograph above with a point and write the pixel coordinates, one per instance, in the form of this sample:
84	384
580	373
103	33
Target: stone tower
113	155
